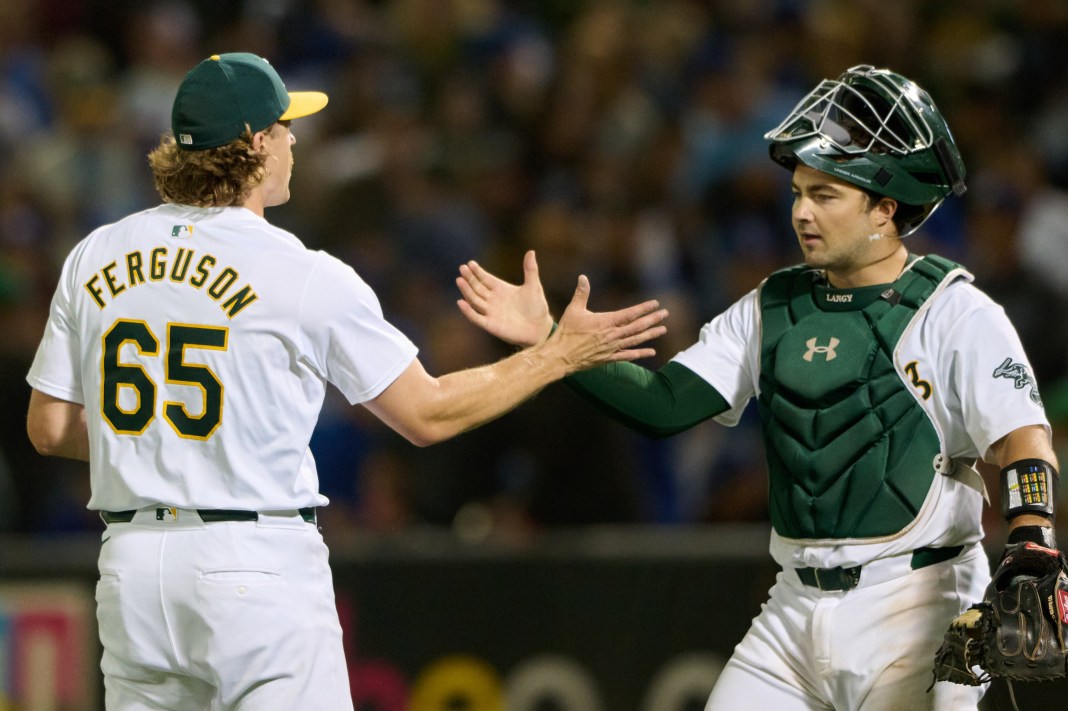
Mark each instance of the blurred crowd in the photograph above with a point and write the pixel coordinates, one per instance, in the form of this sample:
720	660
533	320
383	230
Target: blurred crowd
618	138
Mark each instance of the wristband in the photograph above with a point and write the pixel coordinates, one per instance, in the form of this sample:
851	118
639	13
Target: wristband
1042	535
1028	486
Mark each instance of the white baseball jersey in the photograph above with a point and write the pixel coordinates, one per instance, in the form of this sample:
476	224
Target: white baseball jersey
201	342
961	346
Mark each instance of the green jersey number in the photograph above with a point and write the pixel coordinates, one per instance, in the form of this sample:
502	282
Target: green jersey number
118	376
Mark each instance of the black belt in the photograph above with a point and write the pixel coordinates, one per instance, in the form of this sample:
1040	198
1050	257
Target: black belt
206	515
831	579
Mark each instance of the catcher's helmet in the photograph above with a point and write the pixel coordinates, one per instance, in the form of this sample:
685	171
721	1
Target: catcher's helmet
879	131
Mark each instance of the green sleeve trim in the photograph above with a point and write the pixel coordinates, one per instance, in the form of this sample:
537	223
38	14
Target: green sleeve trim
656	403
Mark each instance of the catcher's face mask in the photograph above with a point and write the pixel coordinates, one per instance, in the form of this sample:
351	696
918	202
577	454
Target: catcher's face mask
879	131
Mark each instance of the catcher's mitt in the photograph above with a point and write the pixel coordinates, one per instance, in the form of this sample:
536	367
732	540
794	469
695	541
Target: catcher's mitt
1018	631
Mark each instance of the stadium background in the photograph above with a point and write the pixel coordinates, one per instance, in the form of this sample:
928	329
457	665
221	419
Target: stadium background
619	138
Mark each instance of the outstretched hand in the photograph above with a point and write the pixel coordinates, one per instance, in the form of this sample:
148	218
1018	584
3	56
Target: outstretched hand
516	314
592	338
519	314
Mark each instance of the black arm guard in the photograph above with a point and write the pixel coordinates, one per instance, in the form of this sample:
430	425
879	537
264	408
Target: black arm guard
1028	486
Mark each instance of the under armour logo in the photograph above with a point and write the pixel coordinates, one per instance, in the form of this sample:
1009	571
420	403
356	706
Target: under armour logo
825	350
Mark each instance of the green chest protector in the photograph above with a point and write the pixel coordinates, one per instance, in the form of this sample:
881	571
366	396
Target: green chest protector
850	450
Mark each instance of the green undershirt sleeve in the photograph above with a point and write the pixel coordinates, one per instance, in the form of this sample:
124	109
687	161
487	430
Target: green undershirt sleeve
656	403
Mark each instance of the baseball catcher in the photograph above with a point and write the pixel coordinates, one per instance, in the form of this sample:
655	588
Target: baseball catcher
865	383
1019	630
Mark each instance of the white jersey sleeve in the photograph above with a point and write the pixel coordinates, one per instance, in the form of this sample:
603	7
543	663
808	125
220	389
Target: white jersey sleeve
201	343
982	384
347	339
727	355
55	368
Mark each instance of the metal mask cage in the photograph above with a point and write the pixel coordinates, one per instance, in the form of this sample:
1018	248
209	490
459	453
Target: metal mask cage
857	118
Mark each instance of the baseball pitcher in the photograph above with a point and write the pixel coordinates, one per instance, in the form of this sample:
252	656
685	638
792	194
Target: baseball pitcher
186	357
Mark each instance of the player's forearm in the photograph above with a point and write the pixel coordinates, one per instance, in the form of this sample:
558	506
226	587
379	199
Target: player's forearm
1026	443
57	428
427	410
1030	442
456	403
469	398
657	404
74	448
473	397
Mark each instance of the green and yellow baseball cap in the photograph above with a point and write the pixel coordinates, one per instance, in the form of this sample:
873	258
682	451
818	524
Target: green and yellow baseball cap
227	94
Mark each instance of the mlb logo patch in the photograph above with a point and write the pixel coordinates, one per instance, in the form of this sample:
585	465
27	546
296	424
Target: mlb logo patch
182	231
185	139
166	514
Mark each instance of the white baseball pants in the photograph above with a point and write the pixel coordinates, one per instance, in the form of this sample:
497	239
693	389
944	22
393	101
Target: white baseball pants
867	649
227	616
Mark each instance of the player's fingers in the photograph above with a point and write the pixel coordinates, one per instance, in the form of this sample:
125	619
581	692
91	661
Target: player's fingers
632	354
472	315
470	294
582	293
638	311
476	284
480	276
627	339
530	268
642	322
646	334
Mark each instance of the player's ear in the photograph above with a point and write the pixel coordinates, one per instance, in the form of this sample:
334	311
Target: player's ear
259	141
884	210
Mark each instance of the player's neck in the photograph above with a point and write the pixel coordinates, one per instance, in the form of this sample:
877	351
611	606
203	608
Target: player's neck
884	269
255	202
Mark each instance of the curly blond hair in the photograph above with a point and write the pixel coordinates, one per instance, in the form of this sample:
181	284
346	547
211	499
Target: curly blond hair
214	177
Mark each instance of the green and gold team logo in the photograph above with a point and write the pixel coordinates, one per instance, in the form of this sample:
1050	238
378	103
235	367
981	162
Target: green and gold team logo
1020	376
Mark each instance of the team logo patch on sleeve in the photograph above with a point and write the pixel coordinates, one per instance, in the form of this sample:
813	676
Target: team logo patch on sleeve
1018	373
